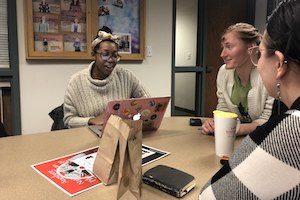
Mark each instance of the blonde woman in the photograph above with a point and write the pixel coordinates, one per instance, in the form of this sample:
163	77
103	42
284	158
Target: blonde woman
239	86
267	163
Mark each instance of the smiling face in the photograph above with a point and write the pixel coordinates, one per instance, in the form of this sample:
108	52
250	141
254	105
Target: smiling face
234	51
103	68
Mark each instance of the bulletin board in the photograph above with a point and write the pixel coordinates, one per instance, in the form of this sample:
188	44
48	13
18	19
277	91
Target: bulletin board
65	29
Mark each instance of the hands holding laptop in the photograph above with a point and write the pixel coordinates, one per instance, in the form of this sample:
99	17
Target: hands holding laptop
96	120
96	125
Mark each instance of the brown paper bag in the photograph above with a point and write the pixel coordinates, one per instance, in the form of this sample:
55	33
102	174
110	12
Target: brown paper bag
106	164
130	168
120	156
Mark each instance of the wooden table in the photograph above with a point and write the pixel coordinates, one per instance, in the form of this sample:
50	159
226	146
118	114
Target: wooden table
191	152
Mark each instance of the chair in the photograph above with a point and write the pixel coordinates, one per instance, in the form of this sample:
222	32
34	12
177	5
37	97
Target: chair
57	114
2	130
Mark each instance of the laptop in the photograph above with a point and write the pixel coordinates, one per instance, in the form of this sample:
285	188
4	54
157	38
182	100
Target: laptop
150	110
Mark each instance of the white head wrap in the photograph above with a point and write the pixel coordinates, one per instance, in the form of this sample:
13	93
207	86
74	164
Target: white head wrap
102	36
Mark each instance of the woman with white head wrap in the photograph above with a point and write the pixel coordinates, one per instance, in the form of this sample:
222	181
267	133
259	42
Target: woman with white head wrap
90	90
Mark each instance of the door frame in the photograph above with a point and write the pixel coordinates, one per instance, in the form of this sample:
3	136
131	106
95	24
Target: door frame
200	67
11	74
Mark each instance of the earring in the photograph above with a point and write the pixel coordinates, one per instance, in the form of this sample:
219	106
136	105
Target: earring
278	91
278	98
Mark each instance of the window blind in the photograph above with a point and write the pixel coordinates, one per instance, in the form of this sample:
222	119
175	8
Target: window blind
4	56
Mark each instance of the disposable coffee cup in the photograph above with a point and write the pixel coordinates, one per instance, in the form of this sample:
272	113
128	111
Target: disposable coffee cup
226	126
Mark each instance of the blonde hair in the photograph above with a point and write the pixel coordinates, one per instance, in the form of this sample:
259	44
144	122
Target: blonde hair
246	32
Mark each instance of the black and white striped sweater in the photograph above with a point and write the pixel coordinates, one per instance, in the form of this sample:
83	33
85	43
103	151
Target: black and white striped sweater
265	166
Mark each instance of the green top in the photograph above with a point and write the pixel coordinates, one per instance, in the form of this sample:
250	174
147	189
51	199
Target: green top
240	93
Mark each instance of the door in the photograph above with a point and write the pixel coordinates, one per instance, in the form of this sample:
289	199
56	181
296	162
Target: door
187	68
220	14
198	26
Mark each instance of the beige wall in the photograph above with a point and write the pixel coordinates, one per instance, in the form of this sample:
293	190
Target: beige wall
186	29
43	83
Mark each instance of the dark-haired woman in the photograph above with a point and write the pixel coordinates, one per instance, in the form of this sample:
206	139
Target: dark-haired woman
90	90
267	163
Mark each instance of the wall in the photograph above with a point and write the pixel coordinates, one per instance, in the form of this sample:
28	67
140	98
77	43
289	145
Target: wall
260	15
186	32
186	29
43	83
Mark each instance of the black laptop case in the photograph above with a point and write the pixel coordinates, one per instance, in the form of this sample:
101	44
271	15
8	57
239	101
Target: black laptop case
170	180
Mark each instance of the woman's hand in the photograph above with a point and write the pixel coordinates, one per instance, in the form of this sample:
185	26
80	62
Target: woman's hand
96	120
208	126
247	128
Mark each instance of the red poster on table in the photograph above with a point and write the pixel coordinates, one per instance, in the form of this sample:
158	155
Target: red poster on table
71	173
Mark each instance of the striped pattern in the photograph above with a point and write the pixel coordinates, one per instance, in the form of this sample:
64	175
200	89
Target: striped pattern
87	97
266	164
288	146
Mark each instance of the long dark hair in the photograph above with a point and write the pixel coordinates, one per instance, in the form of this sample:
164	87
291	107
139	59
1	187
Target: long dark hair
283	29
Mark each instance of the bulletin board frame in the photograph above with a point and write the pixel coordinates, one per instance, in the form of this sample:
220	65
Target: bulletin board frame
50	32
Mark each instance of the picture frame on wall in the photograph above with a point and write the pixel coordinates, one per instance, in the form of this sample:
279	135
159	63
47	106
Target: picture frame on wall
65	29
58	29
126	18
125	43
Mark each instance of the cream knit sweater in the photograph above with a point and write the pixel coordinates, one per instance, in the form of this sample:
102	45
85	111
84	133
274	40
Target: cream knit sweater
87	97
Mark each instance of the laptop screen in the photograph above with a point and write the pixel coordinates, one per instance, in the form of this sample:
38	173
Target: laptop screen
150	110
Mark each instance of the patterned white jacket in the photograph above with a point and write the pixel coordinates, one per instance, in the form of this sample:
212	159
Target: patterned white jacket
265	166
